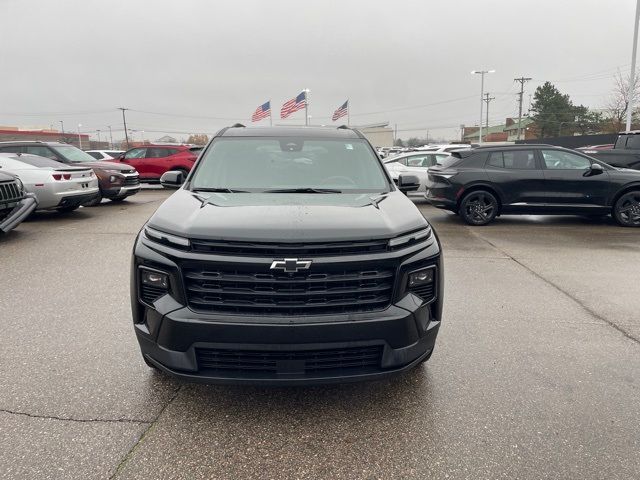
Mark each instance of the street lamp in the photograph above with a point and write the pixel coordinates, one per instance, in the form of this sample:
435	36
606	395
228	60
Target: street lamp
306	105
79	137
481	73
632	76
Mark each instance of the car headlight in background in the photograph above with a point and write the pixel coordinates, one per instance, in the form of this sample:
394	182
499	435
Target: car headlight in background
162	237
20	185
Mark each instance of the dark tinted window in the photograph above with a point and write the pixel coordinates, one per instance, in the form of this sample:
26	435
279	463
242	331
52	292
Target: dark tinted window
12	149
96	155
621	141
135	153
515	159
633	142
450	161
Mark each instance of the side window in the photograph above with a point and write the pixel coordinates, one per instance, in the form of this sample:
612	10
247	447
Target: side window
559	160
12	150
514	160
496	160
402	161
415	161
135	153
96	155
40	151
633	142
158	152
172	151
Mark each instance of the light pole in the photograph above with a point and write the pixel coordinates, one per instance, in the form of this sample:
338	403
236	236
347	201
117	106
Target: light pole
142	136
79	137
61	127
110	137
124	120
632	77
481	73
306	104
98	137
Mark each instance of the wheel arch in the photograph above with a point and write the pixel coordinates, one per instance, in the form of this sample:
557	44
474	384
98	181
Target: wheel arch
479	186
625	189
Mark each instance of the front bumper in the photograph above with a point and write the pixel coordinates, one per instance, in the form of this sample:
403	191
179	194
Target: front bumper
120	191
18	213
285	350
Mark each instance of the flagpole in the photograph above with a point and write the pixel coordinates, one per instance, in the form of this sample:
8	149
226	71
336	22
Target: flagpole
348	112
270	115
306	106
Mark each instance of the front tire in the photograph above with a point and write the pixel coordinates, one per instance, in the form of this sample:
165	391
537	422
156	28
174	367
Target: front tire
478	208
626	210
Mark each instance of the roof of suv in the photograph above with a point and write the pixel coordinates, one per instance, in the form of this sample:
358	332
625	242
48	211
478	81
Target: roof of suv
315	132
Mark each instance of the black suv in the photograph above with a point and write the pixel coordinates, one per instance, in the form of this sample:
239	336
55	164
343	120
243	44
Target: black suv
15	204
116	181
288	256
484	182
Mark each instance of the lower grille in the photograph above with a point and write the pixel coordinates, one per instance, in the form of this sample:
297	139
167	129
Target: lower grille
350	360
327	291
131	181
150	294
425	292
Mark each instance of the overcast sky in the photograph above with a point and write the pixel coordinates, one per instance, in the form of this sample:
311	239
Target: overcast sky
200	65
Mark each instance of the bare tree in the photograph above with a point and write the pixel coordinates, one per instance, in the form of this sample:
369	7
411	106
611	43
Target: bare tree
619	100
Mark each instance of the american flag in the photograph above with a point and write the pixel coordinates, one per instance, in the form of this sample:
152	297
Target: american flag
294	105
341	111
263	111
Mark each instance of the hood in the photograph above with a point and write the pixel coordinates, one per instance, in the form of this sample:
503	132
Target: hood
285	217
104	165
625	173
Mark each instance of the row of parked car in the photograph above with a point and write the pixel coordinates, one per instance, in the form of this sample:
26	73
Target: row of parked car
482	183
57	176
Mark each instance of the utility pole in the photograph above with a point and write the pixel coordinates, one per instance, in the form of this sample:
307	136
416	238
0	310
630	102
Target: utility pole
98	131
522	81
482	73
462	132
632	76
61	127
488	99
111	137
124	120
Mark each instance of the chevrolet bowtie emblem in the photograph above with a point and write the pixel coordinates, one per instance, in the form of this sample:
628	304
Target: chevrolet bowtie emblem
290	265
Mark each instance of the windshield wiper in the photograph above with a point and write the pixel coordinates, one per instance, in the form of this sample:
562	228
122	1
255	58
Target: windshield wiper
218	190
303	190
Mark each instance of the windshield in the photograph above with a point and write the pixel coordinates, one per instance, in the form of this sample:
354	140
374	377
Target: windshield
264	164
74	154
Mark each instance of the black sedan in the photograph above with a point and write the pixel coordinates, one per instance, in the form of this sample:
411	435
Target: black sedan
482	183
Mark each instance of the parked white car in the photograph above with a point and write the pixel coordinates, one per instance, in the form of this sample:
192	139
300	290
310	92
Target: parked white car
414	163
56	185
105	154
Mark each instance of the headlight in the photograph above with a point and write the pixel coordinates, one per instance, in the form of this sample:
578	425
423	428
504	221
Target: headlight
153	285
162	237
114	171
20	185
410	238
422	283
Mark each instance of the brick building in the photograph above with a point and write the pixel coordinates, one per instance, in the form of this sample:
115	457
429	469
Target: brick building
8	134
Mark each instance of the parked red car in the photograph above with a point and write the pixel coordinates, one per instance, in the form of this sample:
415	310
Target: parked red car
151	161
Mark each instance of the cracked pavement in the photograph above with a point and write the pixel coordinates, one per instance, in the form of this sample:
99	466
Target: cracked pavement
535	374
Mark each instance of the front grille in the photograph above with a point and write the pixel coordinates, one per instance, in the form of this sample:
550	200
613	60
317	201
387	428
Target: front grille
346	360
275	249
150	294
9	192
322	290
131	181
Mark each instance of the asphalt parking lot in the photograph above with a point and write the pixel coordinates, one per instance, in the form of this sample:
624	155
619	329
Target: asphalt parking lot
536	373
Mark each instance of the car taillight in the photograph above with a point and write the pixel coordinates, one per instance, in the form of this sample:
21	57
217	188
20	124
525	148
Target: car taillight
57	176
66	176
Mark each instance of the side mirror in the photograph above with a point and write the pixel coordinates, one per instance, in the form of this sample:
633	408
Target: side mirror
121	157
595	169
408	183
172	179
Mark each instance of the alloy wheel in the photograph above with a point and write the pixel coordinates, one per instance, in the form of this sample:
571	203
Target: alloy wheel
479	208
627	210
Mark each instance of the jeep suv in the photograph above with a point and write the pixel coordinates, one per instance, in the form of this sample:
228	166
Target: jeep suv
116	182
15	204
485	182
287	256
